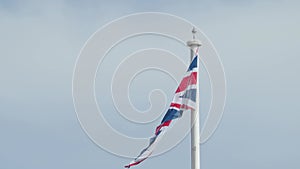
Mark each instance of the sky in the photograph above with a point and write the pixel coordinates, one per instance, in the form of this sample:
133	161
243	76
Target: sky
257	42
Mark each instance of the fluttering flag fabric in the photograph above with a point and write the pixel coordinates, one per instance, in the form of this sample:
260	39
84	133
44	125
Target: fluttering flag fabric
184	99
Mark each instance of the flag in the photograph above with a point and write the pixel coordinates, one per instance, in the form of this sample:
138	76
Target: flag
184	99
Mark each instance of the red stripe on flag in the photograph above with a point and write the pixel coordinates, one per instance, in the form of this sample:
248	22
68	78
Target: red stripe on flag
188	80
175	105
184	106
133	164
181	106
167	123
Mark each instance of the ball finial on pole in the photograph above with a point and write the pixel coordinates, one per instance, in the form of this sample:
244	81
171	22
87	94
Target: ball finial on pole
194	31
194	43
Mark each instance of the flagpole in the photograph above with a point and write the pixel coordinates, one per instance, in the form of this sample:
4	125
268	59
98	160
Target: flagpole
195	122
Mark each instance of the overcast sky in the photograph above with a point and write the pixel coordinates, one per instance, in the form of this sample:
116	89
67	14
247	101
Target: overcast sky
257	43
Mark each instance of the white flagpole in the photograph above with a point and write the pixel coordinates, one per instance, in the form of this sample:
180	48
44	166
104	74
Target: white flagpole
195	122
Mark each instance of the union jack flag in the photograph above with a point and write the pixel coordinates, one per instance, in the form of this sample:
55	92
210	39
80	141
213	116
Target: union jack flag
184	99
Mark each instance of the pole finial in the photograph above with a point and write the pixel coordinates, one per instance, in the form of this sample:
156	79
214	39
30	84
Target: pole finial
194	31
194	42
